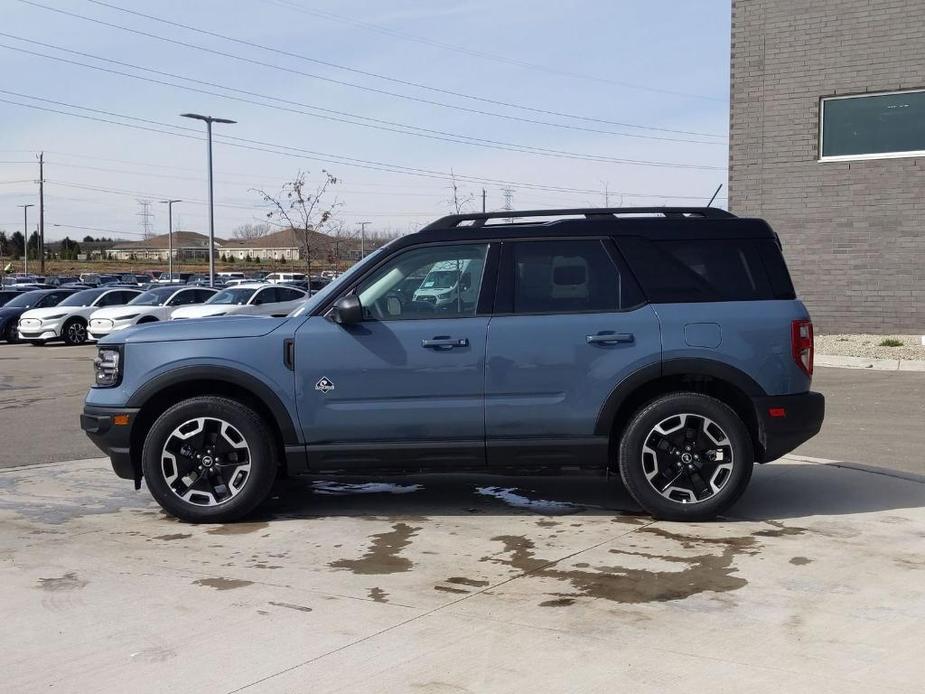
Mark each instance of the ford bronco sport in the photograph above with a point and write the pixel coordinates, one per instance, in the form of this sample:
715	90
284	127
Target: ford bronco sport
666	344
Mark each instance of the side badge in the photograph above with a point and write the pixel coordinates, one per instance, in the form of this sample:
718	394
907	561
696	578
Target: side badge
324	384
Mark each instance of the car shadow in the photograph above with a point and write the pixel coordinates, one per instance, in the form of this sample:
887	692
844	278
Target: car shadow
777	492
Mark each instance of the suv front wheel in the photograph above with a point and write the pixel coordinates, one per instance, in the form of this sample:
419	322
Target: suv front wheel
686	457
209	460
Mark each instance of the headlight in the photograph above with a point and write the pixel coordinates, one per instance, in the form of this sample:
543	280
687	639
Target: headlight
108	367
54	317
128	317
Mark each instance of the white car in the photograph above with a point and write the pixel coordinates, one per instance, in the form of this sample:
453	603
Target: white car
252	299
154	305
68	320
275	277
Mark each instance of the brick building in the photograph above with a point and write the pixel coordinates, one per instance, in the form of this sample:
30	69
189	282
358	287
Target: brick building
827	142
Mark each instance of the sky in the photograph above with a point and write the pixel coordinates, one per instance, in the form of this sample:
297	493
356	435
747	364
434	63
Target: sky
571	103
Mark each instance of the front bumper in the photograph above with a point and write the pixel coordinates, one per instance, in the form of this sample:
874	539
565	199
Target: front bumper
111	438
786	421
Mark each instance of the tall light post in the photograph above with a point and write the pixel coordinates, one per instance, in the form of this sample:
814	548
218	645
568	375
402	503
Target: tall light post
25	243
363	238
169	204
209	120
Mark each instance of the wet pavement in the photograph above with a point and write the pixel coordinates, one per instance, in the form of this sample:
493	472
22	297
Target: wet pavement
462	583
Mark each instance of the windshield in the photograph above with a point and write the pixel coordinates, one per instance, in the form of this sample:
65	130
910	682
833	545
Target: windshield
336	284
25	300
440	279
154	297
84	298
232	296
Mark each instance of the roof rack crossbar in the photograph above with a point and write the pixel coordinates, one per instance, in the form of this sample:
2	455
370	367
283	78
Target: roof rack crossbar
479	219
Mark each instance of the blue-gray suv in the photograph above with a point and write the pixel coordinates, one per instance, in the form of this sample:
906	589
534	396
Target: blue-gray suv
664	343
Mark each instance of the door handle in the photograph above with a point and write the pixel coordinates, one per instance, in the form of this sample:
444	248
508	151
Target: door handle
445	342
609	337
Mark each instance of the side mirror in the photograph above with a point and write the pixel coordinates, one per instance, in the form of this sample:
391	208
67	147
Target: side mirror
348	310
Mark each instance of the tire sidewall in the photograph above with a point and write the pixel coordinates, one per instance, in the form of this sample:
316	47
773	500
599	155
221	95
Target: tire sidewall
633	440
252	428
12	332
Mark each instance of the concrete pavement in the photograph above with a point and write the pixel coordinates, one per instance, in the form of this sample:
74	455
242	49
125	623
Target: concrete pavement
463	584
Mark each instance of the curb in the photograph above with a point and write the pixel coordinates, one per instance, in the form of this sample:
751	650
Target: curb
842	362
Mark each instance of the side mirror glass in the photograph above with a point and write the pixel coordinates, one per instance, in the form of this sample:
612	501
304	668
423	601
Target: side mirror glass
348	310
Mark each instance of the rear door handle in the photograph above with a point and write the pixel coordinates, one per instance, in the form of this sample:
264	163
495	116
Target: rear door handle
442	342
608	337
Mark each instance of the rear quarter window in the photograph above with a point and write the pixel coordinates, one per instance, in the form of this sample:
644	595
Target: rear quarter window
692	270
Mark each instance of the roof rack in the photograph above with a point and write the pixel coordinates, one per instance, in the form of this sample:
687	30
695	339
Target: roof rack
478	219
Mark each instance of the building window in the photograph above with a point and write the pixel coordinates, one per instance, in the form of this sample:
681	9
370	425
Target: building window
872	126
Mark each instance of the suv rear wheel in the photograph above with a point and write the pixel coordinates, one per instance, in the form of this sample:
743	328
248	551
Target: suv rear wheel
686	457
209	460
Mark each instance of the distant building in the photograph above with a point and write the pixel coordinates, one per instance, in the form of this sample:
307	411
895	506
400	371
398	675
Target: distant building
827	142
187	245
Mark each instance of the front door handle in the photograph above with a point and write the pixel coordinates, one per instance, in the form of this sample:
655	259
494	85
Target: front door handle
442	342
608	337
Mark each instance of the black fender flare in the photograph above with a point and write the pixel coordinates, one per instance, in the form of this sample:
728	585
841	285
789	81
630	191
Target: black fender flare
224	374
672	367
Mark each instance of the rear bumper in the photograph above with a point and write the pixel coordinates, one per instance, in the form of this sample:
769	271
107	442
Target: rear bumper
786	421
113	439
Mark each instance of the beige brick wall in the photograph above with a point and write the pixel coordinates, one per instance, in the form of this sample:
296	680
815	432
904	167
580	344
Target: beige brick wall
852	231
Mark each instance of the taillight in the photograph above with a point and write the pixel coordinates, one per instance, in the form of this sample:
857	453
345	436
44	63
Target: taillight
801	344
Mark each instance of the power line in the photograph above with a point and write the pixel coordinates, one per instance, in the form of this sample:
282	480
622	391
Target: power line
365	73
478	54
325	113
343	83
225	138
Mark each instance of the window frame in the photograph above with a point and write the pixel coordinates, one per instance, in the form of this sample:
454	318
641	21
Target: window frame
907	154
504	299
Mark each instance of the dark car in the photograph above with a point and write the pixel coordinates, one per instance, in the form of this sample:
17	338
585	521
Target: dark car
26	301
7	295
62	280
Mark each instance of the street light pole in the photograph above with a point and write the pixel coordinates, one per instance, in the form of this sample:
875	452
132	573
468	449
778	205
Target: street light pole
209	120
25	243
363	238
169	204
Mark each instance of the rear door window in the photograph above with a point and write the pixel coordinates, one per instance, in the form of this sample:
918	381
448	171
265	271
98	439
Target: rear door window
569	277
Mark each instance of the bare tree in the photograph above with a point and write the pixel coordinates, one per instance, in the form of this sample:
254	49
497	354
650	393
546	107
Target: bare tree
303	209
249	232
459	201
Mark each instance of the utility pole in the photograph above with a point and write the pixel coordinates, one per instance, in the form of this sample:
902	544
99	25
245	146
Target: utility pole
483	199
209	120
146	218
363	239
25	231
508	201
170	204
606	185
42	212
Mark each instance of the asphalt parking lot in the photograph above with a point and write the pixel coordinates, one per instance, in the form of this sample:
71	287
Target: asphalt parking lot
812	583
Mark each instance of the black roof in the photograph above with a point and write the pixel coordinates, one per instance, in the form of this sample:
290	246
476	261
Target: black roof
650	222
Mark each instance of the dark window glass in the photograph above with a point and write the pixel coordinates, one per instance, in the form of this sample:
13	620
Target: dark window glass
266	296
569	276
708	269
283	294
876	124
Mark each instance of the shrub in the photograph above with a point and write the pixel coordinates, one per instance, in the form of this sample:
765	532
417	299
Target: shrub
891	342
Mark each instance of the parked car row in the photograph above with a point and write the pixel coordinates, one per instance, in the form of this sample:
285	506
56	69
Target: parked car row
78	315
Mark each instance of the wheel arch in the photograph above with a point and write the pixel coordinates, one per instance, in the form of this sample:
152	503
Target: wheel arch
164	391
726	383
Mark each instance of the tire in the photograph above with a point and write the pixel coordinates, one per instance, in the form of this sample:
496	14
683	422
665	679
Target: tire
74	332
694	448
247	438
11	334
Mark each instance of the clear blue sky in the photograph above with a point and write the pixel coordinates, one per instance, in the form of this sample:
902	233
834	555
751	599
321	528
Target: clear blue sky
661	64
